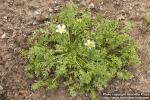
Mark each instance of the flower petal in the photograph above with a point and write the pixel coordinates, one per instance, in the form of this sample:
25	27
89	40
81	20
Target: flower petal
85	44
65	30
58	26
57	30
63	26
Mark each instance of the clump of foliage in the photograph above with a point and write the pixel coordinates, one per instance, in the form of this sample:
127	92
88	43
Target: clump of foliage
80	52
147	17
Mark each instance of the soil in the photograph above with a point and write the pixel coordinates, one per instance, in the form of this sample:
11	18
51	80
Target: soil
19	17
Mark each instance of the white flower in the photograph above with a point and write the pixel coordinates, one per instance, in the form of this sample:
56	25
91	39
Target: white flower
61	28
90	44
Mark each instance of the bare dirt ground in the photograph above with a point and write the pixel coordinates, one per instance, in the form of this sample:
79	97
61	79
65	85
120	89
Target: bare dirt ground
19	17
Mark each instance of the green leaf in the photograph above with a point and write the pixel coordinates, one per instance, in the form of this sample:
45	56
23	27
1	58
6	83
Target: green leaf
92	94
38	84
124	74
147	17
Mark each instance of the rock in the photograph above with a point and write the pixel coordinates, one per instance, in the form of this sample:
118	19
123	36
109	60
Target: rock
35	13
14	34
50	10
5	17
56	8
121	17
1	88
91	5
35	23
3	36
83	3
44	96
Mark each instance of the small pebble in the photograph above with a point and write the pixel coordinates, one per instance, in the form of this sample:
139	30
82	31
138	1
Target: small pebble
44	96
56	8
83	3
121	17
55	2
91	5
3	36
13	34
5	17
34	23
1	88
50	10
35	13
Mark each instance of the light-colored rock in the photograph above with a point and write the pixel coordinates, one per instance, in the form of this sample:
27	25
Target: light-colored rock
91	5
35	13
50	10
1	88
3	36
